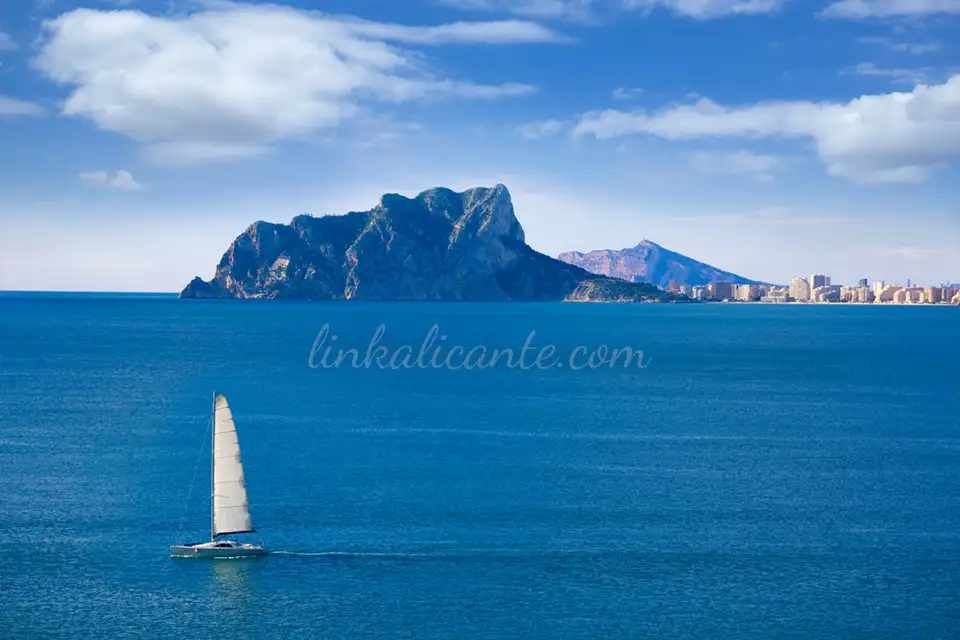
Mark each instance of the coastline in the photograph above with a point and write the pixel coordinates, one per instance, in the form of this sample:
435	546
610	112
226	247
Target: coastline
835	304
151	295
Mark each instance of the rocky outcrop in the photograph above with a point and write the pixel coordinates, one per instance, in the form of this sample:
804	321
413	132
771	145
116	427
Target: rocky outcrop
613	290
439	245
649	262
200	289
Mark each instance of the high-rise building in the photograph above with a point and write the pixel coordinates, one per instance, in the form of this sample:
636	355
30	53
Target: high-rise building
747	292
933	294
862	283
818	280
800	289
826	293
912	295
878	287
888	293
721	290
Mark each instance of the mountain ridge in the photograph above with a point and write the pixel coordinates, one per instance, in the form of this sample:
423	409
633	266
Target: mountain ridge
653	263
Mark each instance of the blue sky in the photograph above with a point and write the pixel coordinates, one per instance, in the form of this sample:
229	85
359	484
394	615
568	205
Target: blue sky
771	138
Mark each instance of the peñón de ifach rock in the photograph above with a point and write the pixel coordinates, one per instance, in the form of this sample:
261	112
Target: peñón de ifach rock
440	245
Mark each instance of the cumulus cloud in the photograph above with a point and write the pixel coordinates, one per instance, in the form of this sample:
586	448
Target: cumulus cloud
541	129
884	138
121	180
760	166
11	107
228	81
859	9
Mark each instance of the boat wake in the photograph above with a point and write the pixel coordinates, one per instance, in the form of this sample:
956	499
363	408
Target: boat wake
350	554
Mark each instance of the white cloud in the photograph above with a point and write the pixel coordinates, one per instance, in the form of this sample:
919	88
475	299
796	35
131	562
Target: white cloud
230	80
6	42
626	93
783	216
586	9
909	76
121	180
760	166
469	90
541	129
776	213
910	252
892	137
14	107
184	152
552	9
916	48
495	32
708	9
856	9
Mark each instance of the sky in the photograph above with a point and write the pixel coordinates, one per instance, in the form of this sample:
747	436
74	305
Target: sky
772	138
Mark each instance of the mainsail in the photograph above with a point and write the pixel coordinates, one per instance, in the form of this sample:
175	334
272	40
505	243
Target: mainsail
231	512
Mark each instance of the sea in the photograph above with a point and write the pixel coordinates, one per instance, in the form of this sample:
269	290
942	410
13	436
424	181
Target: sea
767	471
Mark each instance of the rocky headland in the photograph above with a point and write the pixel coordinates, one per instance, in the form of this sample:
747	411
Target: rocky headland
439	245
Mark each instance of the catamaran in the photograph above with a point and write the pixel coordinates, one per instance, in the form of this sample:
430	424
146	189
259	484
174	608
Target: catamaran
230	511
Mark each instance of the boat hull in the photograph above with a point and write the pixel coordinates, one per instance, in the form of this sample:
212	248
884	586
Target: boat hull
207	550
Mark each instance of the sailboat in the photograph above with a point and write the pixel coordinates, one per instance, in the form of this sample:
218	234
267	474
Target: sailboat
230	511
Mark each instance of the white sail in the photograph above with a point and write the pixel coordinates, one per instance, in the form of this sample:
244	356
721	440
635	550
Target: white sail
231	512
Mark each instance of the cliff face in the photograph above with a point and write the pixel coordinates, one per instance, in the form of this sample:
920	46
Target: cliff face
440	245
649	262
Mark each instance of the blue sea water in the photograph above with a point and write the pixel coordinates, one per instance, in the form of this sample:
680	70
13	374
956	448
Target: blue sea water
774	472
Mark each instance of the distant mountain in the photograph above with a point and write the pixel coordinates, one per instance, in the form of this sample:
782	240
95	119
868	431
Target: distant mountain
440	245
649	262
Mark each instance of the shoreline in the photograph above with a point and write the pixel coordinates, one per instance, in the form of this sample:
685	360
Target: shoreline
148	296
836	304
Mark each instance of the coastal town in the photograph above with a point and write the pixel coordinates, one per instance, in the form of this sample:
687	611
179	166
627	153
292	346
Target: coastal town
818	288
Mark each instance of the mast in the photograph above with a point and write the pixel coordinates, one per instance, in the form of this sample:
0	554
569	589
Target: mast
213	459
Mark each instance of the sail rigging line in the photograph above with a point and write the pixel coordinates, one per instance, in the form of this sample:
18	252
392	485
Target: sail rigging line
196	467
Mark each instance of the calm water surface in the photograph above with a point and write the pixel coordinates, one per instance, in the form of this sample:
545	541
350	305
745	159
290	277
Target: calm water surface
775	472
